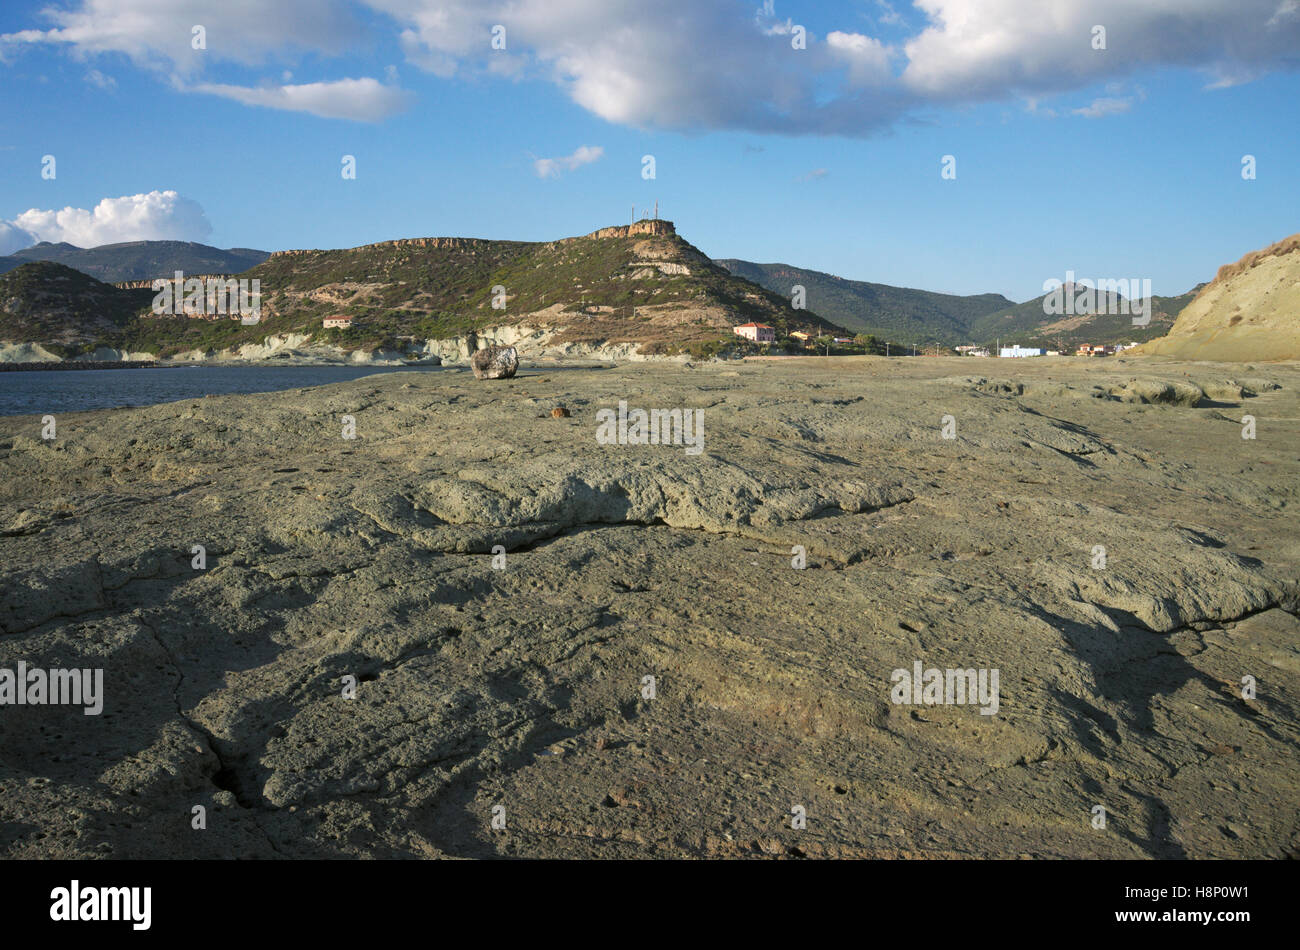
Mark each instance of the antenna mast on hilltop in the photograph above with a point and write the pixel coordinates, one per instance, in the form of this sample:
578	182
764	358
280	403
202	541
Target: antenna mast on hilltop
656	209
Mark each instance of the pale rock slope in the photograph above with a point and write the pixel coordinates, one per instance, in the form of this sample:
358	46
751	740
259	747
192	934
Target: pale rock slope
1250	311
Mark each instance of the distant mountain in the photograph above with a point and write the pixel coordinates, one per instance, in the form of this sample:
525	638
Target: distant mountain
140	260
898	314
64	309
921	316
1029	324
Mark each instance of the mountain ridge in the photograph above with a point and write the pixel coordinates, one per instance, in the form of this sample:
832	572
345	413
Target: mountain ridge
138	260
901	314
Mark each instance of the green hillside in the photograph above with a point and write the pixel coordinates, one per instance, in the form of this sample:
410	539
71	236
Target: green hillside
1027	323
895	313
608	289
67	311
641	284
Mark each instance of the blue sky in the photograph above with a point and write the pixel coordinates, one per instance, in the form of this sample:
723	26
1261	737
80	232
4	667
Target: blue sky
1116	162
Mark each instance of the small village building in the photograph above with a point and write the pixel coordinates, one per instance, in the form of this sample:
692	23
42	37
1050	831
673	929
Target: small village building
338	321
1017	351
757	332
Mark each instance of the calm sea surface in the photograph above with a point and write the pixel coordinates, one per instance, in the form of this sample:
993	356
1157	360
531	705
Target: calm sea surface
53	391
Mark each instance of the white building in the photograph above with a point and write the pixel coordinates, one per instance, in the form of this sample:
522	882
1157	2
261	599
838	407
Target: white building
758	332
1021	351
340	322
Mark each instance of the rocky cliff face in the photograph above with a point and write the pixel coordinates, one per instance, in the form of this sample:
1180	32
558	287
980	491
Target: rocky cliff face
1249	312
429	243
148	284
640	228
654	227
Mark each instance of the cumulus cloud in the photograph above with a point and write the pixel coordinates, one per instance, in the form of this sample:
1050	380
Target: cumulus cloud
701	64
552	167
155	216
687	64
867	58
680	64
363	100
159	33
982	49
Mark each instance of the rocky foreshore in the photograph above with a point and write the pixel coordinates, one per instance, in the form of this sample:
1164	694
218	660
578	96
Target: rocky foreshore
424	615
77	364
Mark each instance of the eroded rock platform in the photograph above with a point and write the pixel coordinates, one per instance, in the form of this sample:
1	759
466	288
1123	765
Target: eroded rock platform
1120	685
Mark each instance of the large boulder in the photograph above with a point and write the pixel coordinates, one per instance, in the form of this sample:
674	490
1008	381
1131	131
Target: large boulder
495	362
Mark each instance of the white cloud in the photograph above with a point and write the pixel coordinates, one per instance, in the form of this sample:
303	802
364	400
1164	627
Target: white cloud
986	49
156	216
363	100
552	167
159	33
888	14
867	57
817	174
96	78
14	238
698	64
691	64
680	64
1100	108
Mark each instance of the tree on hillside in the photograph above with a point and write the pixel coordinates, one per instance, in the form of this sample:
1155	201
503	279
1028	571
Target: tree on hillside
869	343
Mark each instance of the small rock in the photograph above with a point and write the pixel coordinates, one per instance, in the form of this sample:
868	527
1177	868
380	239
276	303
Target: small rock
559	412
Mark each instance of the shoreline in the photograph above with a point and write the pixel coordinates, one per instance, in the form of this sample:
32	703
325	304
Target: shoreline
60	365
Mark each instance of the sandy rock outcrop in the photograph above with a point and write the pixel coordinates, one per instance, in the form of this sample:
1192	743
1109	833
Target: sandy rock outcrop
1249	312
